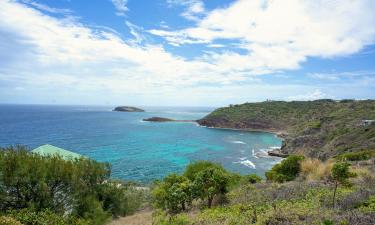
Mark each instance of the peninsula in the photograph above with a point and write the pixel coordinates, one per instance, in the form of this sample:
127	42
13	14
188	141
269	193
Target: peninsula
321	129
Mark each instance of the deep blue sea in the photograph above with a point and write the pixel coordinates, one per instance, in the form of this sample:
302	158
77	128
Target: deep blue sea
139	151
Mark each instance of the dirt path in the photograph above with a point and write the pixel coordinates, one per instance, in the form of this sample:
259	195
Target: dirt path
140	218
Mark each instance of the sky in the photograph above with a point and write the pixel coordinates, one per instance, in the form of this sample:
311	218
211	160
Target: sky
185	52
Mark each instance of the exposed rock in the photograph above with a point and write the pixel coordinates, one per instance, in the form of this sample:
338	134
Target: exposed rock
127	109
277	153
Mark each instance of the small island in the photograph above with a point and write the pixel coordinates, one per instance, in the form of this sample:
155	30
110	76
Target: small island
127	109
162	119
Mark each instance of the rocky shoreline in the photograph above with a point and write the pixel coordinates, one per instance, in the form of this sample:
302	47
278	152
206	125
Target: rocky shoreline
279	133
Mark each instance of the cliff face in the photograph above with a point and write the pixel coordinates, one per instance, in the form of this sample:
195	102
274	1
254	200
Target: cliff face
321	128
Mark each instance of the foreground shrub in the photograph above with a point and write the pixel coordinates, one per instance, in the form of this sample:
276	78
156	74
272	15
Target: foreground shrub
174	193
210	183
28	217
287	170
51	184
340	175
315	170
252	178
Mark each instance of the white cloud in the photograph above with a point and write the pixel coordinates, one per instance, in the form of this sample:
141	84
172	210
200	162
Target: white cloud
65	59
47	8
316	94
121	6
283	34
194	8
62	52
342	75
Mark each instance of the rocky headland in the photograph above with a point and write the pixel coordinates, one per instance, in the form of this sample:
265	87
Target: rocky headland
321	128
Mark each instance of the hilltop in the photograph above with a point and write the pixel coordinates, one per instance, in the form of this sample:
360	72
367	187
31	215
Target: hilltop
322	128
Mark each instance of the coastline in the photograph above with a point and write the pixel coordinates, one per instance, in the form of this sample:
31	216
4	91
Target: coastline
281	134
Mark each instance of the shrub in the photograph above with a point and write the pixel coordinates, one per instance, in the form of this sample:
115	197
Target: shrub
356	156
287	170
252	178
50	184
28	217
340	175
174	193
120	199
210	182
369	205
315	170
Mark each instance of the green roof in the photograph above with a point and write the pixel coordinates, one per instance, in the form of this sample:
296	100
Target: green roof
46	150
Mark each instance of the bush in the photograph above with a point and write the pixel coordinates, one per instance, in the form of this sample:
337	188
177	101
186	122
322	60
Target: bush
210	182
174	193
51	185
252	178
340	175
121	199
369	205
28	217
287	170
356	156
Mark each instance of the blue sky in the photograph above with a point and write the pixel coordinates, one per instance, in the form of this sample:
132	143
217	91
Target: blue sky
185	52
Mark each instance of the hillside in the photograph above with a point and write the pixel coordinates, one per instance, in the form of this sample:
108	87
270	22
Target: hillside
321	128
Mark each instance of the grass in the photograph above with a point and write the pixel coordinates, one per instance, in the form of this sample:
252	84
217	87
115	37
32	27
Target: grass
316	170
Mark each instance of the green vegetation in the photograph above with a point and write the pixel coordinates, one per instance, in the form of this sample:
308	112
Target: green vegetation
320	129
252	179
202	180
37	189
173	194
297	191
287	170
209	183
357	156
340	175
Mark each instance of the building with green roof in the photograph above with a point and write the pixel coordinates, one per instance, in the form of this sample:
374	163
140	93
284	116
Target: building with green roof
48	150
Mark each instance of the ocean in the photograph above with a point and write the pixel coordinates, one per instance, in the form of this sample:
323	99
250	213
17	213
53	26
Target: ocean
138	151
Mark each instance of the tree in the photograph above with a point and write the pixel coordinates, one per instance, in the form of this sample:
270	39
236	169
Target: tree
194	168
286	170
340	175
210	182
174	193
79	187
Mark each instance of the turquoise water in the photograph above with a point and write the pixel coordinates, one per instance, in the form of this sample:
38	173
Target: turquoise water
140	151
